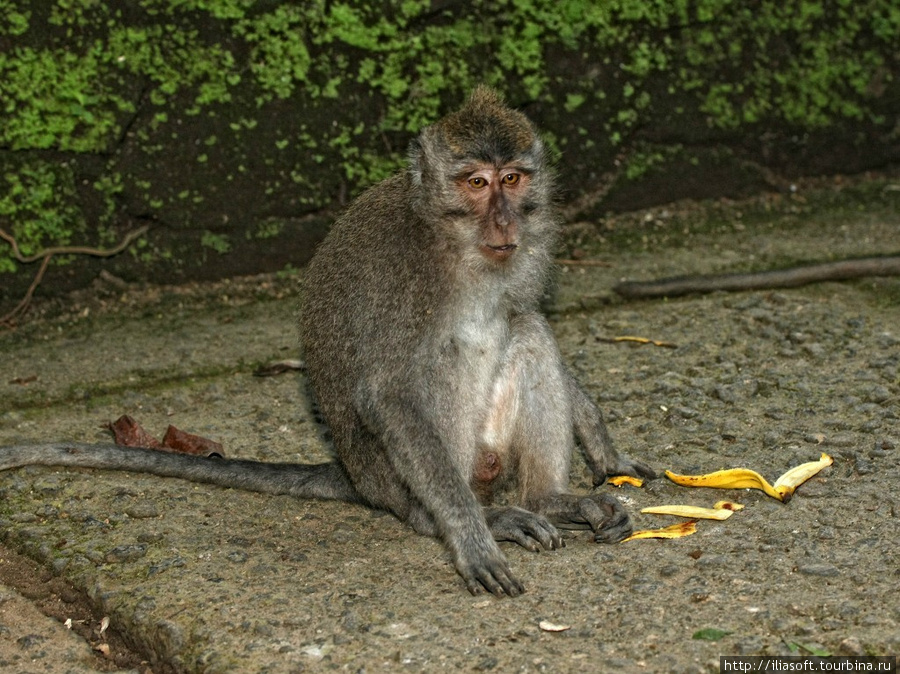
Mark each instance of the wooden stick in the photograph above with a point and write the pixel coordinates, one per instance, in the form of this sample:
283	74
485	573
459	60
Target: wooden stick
779	278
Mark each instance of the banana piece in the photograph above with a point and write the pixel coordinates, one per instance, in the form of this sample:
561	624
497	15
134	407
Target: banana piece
787	483
619	480
721	511
744	478
728	505
674	531
733	478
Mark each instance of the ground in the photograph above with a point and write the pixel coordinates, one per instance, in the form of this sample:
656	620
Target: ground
201	579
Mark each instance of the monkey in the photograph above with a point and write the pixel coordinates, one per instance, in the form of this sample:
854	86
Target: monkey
437	374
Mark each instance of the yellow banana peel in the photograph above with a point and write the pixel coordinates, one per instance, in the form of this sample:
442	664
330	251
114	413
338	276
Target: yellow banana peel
789	481
721	511
744	478
675	531
619	480
728	505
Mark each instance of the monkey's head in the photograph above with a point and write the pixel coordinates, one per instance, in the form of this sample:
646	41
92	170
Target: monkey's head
482	169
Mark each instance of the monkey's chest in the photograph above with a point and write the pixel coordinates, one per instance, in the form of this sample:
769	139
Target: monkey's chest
479	385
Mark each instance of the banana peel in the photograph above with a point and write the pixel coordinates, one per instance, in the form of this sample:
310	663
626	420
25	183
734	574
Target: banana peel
789	481
619	480
720	511
744	478
675	531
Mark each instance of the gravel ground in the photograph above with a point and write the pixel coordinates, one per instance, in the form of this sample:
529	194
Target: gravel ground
201	579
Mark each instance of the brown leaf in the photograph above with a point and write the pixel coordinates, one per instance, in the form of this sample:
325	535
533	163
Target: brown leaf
188	443
129	433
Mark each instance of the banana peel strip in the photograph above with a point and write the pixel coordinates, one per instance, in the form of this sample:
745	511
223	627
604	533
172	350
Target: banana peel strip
721	511
744	478
619	480
675	531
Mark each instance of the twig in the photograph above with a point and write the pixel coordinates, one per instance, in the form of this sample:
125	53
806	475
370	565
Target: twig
45	256
638	340
779	278
584	263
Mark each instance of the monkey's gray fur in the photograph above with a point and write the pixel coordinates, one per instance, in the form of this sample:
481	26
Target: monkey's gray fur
427	352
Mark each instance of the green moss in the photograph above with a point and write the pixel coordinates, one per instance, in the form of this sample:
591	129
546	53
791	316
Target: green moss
79	69
807	63
267	229
647	158
14	18
217	242
54	98
37	200
279	58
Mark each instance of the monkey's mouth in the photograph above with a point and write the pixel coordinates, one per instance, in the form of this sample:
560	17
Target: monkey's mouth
500	253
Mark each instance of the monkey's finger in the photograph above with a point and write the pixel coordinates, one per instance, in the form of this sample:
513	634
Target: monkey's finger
536	537
495	578
530	530
607	517
625	466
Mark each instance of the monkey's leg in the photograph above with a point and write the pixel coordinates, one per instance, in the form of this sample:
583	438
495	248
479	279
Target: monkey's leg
602	458
425	462
322	481
529	529
544	441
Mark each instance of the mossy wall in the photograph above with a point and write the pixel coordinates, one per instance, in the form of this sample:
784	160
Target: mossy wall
237	128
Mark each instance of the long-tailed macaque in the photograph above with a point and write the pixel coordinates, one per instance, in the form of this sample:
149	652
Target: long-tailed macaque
439	378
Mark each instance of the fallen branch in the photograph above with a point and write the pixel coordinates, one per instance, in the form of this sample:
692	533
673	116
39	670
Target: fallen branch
45	255
779	278
584	263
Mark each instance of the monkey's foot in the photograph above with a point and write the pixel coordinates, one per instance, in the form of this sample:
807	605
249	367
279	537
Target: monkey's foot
483	567
528	529
601	512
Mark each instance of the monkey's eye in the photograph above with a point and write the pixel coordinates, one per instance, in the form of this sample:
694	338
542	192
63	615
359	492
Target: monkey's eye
510	178
477	182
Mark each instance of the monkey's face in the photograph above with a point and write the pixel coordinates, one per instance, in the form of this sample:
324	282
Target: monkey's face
496	195
480	175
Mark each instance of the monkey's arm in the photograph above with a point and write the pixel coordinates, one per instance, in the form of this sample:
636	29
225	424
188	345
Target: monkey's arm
602	458
322	481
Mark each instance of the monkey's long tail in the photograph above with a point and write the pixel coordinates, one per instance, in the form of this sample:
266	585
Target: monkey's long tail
320	481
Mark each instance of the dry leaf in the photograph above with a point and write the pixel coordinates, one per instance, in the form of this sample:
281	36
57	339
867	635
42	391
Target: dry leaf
188	443
129	433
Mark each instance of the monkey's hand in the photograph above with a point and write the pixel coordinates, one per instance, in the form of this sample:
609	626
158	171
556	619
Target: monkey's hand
622	465
528	529
483	567
602	513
